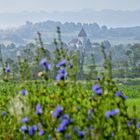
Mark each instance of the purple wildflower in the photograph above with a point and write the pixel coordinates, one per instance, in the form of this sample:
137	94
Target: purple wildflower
38	109
90	111
96	88
65	116
34	127
111	112
62	74
62	63
57	111
124	97
76	129
118	93
41	132
107	114
4	113
7	70
24	128
62	126
98	78
71	65
44	62
78	108
115	111
138	125
82	134
129	123
23	92
25	120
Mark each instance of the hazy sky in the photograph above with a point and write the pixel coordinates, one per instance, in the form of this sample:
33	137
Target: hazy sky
66	5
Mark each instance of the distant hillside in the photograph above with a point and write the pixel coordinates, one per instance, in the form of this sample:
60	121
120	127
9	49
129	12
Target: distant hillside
96	33
111	18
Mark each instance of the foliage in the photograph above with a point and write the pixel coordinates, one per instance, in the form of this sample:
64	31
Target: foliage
64	108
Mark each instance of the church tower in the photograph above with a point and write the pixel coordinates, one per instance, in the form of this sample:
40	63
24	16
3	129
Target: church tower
82	36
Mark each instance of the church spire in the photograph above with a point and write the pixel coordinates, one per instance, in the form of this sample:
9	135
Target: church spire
82	33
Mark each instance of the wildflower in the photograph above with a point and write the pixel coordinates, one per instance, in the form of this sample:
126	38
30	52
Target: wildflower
97	89
124	97
44	62
107	114
118	93
32	129
112	134
61	127
23	92
82	134
41	132
24	128
24	120
71	65
138	125
7	70
111	112
78	108
62	74
57	111
98	78
90	111
114	111
129	123
65	116
4	113
76	129
90	117
38	109
62	63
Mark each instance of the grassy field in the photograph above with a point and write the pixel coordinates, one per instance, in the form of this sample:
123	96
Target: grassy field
77	102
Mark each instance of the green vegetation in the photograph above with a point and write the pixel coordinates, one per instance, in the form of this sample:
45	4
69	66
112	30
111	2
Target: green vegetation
48	98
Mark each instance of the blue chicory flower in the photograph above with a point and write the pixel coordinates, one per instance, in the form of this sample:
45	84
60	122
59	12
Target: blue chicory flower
62	126
62	63
82	133
62	74
25	120
41	132
76	129
44	62
4	113
96	88
111	112
7	70
118	93
71	65
124	97
57	111
24	128
38	109
107	114
138	125
23	92
34	127
114	111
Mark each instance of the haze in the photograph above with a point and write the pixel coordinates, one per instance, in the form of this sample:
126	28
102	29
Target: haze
11	12
66	5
